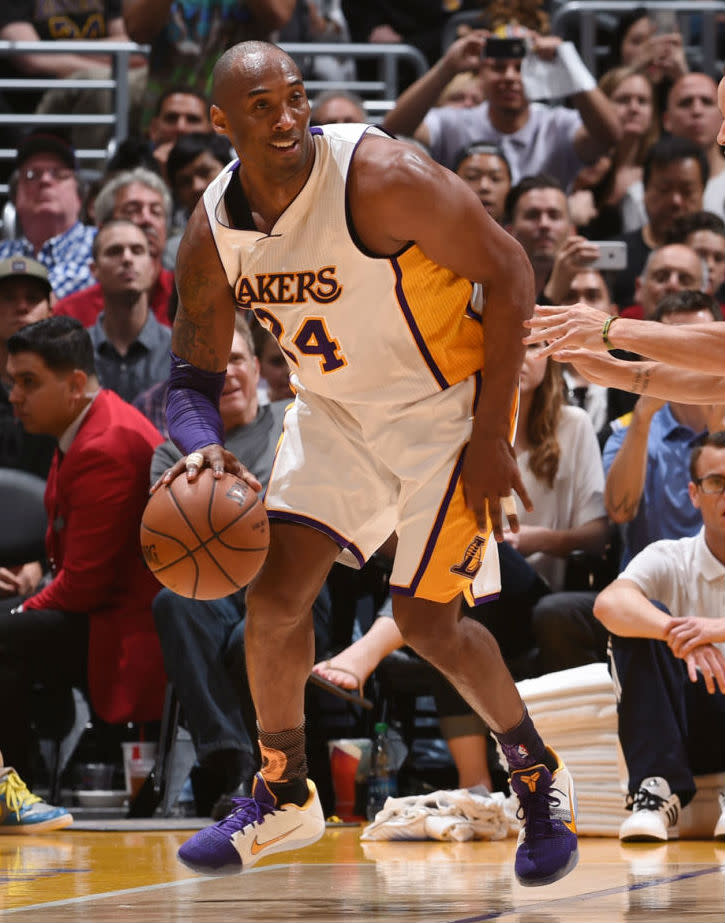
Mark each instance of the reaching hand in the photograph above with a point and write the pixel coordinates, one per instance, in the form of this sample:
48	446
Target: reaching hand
575	255
565	326
465	53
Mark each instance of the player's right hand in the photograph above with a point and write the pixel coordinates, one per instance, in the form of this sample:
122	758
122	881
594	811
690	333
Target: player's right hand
211	456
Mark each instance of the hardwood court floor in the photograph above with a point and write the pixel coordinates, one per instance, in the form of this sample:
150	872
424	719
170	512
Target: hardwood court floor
76	875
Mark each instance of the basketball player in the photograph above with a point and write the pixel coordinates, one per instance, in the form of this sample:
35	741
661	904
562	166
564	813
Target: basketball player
356	251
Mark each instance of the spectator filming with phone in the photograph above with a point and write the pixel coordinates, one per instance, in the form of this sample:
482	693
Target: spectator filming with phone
535	136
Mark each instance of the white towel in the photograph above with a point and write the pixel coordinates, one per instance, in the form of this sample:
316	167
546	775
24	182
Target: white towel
457	815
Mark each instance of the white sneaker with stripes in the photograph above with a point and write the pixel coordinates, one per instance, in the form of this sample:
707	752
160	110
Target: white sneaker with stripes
655	813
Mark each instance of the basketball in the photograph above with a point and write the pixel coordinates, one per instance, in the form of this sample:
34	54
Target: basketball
206	538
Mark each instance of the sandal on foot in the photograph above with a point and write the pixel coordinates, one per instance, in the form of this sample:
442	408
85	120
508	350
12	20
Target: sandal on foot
349	695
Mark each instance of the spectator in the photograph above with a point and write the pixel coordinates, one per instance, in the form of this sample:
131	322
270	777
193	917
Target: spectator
674	179
704	232
412	22
25	297
669	666
319	21
130	346
274	384
646	456
538	217
179	111
671	268
47	199
187	37
202	642
535	137
26	21
612	179
193	162
152	401
639	43
336	107
90	625
692	113
603	404
485	169
141	196
462	92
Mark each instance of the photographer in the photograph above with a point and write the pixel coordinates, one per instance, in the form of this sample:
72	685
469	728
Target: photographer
534	136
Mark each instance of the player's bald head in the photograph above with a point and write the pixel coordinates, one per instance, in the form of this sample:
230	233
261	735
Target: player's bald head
245	61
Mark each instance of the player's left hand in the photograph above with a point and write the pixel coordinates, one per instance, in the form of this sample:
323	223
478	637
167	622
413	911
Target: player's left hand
489	475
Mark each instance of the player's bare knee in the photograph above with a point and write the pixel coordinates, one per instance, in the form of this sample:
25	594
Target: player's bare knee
426	626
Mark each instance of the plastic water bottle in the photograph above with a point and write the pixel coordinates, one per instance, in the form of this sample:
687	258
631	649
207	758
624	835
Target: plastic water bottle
383	777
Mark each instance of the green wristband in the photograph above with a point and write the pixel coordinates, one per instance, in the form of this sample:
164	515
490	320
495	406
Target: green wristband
605	331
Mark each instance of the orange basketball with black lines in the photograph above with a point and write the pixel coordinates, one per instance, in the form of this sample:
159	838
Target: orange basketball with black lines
206	538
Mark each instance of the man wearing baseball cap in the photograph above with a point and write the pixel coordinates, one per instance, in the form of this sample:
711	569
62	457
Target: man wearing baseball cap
25	297
47	199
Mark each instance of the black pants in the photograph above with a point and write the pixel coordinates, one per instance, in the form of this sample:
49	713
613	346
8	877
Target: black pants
668	725
40	649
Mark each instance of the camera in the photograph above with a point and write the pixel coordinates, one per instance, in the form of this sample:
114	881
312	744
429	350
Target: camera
496	47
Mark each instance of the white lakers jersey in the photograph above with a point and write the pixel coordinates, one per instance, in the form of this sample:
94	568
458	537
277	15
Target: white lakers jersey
355	327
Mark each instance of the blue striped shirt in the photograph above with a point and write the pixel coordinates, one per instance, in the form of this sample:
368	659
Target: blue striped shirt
67	257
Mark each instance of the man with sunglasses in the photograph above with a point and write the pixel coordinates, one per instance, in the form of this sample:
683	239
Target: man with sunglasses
48	201
669	666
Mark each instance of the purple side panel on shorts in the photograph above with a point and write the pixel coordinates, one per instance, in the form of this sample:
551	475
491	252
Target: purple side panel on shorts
410	320
316	130
320	527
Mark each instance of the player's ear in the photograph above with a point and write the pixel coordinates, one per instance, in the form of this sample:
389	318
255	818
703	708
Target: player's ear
218	120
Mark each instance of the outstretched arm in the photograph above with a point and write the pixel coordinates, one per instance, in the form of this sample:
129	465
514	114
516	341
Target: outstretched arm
697	346
653	378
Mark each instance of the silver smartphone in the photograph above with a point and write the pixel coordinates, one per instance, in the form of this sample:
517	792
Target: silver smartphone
612	255
665	22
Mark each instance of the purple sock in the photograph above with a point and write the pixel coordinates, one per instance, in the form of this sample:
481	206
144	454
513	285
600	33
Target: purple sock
522	745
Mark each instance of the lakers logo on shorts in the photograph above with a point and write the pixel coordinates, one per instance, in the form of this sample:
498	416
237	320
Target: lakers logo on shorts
471	558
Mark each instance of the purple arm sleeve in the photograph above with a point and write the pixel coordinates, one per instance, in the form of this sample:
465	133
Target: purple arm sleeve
192	406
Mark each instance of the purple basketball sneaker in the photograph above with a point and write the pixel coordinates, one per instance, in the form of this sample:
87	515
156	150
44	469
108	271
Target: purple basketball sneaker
547	848
257	827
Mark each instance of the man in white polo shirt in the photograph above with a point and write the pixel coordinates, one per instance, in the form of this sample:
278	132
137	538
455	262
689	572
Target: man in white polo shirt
669	669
